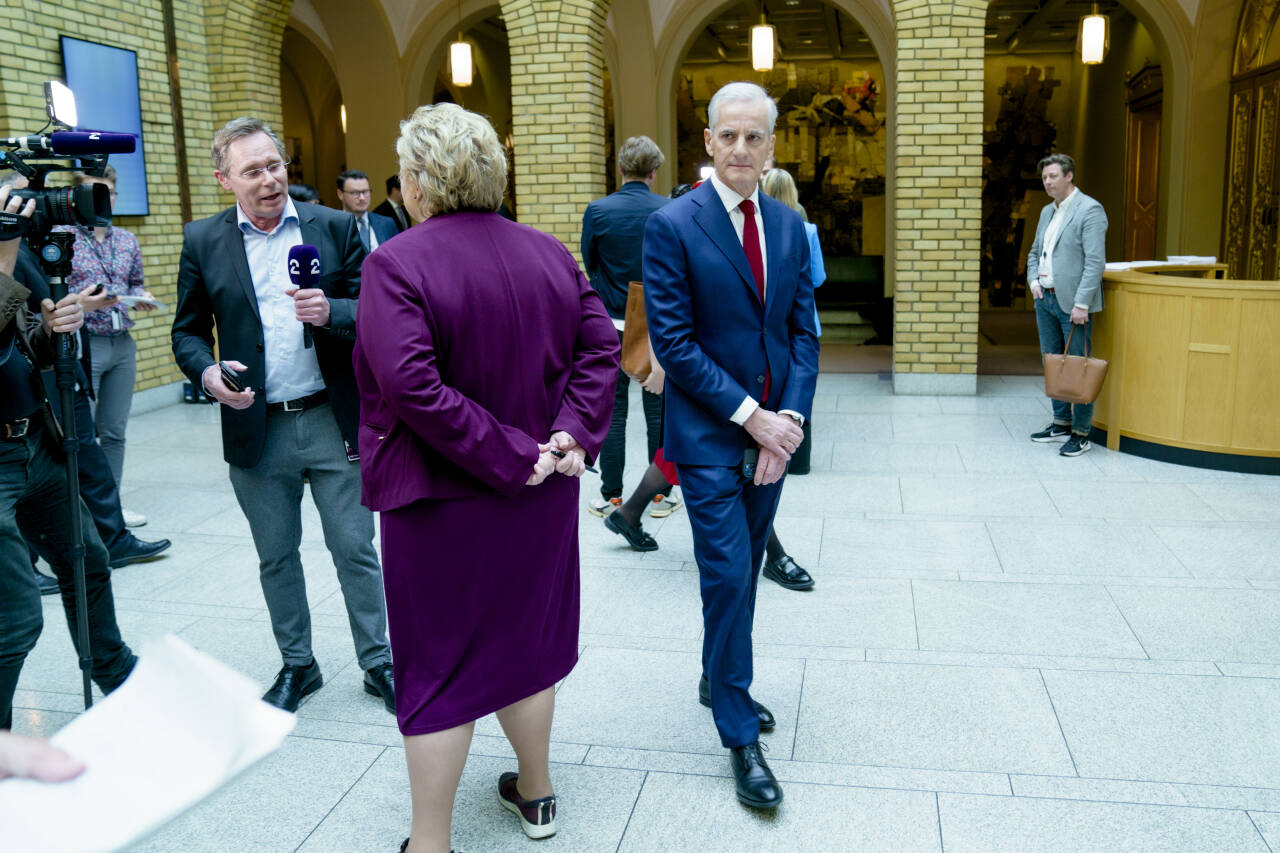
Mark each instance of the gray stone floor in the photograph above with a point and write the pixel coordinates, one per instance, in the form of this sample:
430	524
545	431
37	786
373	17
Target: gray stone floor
1006	650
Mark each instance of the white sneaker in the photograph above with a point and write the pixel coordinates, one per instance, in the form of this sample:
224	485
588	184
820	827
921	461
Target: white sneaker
600	507
664	506
133	519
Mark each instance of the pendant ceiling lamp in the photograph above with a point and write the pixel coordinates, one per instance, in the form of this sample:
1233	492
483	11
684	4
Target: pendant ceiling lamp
460	56
1095	37
762	42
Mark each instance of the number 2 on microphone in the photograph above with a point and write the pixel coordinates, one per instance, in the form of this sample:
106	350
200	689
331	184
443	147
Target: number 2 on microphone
294	268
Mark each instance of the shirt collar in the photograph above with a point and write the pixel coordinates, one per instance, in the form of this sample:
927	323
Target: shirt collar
1060	205
290	214
729	197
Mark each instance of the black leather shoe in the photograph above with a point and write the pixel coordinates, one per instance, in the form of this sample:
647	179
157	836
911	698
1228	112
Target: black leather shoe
135	551
786	573
378	681
293	683
48	585
763	714
755	782
633	533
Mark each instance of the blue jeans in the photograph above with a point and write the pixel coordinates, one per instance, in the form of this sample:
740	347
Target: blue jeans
1055	327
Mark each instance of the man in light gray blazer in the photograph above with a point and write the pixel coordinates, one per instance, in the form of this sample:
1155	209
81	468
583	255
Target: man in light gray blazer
1064	270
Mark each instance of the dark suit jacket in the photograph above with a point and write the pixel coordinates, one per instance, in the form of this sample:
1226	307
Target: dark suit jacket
478	339
384	227
711	333
388	210
214	286
612	235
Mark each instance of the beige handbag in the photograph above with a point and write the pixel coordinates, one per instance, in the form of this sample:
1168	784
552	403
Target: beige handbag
1073	378
635	335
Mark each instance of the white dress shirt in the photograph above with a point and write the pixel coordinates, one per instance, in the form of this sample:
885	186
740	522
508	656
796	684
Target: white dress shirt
1044	271
730	198
291	369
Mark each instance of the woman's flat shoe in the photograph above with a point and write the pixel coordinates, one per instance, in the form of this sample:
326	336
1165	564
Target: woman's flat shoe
633	533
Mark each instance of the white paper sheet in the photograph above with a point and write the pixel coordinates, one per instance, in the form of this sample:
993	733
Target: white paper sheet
131	301
182	726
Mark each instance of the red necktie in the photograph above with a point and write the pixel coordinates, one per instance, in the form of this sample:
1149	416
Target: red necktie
751	245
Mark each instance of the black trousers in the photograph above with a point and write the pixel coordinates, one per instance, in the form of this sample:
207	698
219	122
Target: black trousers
34	504
613	455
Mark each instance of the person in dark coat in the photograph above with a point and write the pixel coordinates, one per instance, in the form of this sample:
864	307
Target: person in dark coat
486	365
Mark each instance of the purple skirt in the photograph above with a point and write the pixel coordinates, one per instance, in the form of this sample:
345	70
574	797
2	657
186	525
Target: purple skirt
482	601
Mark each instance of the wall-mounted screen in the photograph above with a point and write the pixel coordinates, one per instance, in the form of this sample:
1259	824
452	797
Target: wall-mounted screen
105	82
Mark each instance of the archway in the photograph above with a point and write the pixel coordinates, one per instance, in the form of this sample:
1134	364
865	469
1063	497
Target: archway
311	102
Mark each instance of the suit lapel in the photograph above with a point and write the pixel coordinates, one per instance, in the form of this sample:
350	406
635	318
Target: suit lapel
233	248
713	219
772	251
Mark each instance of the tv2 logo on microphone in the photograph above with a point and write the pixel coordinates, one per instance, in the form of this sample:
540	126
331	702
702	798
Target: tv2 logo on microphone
295	268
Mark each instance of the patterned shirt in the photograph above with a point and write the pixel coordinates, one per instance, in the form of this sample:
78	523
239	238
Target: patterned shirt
116	264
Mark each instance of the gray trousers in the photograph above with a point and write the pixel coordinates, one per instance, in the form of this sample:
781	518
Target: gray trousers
114	366
270	494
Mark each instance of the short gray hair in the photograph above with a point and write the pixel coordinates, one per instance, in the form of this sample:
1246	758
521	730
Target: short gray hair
639	157
239	128
455	158
1064	160
731	92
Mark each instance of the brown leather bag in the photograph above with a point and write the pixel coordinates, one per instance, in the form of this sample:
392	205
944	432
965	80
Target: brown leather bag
635	335
1073	378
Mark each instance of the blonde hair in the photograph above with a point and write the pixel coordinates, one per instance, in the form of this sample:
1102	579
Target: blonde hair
108	174
778	184
454	157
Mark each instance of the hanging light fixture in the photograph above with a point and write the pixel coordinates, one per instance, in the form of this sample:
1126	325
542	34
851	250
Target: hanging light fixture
342	114
460	56
762	41
1095	37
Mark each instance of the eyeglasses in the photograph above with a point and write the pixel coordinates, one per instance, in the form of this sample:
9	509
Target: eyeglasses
356	193
277	168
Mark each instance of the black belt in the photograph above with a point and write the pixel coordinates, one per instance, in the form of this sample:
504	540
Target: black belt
302	403
19	428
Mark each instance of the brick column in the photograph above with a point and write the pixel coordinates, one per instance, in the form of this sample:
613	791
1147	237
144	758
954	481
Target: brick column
557	69
938	206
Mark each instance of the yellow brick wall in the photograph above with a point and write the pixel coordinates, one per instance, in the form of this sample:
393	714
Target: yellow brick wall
938	205
557	100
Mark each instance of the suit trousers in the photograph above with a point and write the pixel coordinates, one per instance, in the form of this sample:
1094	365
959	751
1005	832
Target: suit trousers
114	367
309	444
731	518
34	504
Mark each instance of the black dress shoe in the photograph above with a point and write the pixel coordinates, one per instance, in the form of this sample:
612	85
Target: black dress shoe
378	681
47	585
293	683
763	714
633	533
756	784
785	572
135	551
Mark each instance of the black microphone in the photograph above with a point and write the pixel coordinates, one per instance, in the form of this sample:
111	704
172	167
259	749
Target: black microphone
304	271
76	143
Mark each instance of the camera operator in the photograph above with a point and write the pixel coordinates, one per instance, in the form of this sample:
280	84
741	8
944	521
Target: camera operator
33	489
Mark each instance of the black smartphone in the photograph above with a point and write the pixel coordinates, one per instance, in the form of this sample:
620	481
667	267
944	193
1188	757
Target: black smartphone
230	378
750	457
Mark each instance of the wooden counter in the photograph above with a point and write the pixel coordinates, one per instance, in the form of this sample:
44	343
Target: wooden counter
1195	367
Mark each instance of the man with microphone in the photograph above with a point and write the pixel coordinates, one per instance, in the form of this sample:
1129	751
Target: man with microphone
293	416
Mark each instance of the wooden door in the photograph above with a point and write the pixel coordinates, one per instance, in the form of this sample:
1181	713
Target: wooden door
1251	224
1144	100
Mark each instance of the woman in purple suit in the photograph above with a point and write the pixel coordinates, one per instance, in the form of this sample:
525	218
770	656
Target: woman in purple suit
487	367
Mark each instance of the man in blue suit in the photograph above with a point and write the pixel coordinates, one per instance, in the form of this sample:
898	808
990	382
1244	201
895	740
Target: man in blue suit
730	310
374	229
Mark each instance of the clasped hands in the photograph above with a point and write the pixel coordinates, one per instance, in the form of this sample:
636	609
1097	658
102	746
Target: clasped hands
778	437
561	454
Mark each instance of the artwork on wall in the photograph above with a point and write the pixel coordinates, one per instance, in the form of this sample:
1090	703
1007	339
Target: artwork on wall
293	152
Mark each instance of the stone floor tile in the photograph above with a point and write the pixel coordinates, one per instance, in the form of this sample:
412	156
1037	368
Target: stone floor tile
873	457
941	497
906	545
958	428
1083	549
1268	825
1092	664
929	717
273	806
1253	500
701	813
856	427
182	508
1029	619
1026	460
1237	551
829	496
641	603
649	700
37	722
232	579
1209	624
1170	728
839	611
1149	793
1018	825
996	405
1160	502
858	404
863	384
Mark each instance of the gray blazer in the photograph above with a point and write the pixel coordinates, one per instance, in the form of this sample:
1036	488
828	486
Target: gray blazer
1079	256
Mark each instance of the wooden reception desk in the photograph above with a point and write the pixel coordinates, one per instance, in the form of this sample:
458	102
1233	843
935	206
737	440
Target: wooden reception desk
1195	367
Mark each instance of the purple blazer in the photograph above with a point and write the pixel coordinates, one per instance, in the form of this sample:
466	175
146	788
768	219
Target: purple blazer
476	338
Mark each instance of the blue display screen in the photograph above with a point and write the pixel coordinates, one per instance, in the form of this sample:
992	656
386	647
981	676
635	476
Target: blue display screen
105	82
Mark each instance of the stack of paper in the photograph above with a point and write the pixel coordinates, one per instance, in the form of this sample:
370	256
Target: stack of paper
179	728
